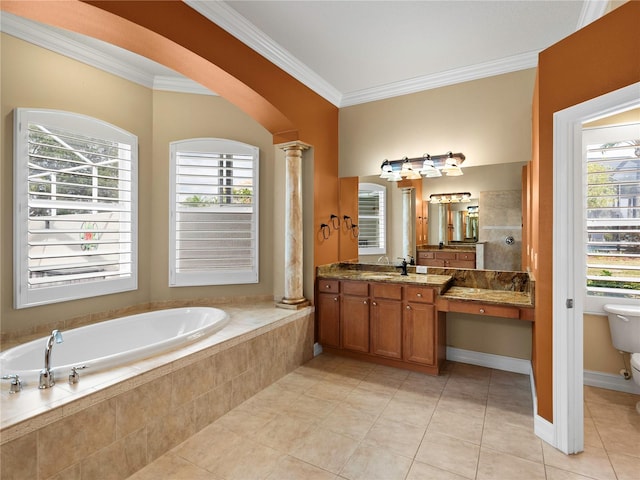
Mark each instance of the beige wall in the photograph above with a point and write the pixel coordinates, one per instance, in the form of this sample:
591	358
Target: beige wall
497	336
34	77
180	116
489	120
599	354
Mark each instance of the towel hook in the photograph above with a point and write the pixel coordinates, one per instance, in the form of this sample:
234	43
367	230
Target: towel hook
335	219
325	230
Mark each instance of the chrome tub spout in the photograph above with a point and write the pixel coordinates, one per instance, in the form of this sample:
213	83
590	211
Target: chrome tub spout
46	375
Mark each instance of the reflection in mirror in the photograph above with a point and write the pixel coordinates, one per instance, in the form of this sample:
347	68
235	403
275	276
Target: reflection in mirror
451	223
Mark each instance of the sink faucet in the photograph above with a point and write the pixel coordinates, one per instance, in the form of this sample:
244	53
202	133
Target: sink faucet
403	266
46	375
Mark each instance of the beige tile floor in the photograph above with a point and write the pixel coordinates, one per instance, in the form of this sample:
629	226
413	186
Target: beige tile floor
335	418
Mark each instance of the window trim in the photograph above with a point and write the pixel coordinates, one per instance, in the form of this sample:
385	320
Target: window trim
23	295
223	277
382	219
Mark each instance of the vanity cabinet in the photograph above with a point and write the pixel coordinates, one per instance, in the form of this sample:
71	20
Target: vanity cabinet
328	308
387	323
354	316
386	320
446	258
420	327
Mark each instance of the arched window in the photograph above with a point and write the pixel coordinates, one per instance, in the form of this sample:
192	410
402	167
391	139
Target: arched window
213	236
75	207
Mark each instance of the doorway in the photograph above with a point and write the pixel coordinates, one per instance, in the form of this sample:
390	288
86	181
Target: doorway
568	262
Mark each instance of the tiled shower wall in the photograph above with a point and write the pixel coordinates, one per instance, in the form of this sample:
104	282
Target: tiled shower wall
501	217
115	437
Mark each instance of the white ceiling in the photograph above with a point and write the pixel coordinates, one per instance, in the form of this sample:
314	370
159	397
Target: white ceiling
353	52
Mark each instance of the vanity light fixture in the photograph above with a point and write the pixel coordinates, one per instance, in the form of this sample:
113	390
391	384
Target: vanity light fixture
451	167
386	170
407	170
459	197
428	166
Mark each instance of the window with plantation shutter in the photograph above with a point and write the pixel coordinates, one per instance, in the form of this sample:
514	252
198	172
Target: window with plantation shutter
75	183
214	212
612	213
371	219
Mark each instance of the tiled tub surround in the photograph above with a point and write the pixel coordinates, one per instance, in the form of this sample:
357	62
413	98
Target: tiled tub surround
113	423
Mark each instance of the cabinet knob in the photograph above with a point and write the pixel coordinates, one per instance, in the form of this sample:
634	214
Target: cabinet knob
365	302
327	286
373	303
419	295
335	299
408	307
482	310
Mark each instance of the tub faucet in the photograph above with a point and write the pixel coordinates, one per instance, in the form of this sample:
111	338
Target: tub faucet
46	375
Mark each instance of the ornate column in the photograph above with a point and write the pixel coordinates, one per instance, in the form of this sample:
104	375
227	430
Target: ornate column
293	295
408	224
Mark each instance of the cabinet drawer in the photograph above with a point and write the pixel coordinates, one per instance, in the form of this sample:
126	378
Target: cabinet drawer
467	256
461	264
355	288
386	290
330	286
420	294
484	309
446	255
426	255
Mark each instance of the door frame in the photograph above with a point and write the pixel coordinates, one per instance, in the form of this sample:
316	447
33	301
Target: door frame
569	263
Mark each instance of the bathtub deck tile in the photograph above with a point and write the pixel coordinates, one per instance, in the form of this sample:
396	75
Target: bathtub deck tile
32	408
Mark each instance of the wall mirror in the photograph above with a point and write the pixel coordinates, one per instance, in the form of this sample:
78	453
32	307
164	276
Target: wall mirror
453	222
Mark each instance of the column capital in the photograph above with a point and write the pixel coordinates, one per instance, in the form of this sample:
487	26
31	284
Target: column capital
295	145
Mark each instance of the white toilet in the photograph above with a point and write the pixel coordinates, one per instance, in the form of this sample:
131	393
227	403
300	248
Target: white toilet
624	323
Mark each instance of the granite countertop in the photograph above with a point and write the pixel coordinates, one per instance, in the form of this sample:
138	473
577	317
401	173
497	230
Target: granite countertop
447	248
440	282
491	287
497	297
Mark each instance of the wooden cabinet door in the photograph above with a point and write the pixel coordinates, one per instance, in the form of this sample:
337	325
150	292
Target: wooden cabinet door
354	323
419	322
328	306
386	328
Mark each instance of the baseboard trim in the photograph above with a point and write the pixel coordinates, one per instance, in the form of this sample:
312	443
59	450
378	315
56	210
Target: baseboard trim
610	382
489	360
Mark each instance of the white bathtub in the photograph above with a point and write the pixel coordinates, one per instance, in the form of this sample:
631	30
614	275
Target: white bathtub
114	342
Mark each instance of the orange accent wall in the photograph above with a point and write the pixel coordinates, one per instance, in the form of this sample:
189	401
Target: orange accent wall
600	58
348	206
175	35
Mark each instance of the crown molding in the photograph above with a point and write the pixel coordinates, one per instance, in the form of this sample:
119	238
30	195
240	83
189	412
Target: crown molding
442	79
238	26
232	22
49	38
180	84
591	11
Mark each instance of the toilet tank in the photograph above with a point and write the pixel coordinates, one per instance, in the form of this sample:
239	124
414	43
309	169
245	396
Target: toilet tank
624	324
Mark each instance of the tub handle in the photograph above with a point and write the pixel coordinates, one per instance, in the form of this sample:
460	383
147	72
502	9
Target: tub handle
75	376
16	383
622	317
